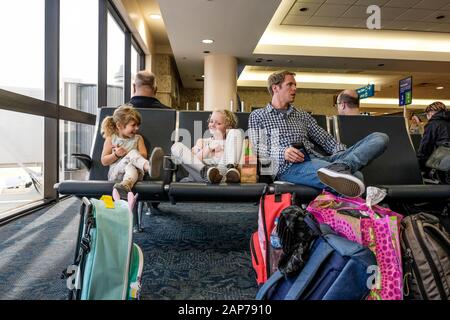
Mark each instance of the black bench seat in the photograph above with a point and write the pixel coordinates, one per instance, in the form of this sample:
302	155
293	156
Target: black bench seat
147	190
197	191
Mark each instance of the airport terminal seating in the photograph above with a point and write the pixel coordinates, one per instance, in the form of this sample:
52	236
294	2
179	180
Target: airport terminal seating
415	139
397	169
158	128
192	125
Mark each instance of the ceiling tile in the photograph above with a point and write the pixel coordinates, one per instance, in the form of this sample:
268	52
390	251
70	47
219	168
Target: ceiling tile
432	17
447	7
391	13
350	22
432	4
312	8
312	1
420	26
394	25
402	3
414	14
441	27
295	20
331	10
321	21
356	12
341	2
370	2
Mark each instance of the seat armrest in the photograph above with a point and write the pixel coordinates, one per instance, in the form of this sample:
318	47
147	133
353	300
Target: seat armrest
169	164
417	193
169	167
84	159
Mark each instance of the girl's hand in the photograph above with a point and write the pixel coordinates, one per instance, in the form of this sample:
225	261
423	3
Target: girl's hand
120	151
217	147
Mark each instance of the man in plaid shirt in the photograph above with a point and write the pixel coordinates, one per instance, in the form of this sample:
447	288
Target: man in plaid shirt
286	136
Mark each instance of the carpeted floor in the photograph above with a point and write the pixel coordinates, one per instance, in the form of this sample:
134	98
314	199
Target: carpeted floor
191	251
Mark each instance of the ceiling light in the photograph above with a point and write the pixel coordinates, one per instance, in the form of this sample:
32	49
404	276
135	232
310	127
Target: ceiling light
155	16
203	75
207	41
439	88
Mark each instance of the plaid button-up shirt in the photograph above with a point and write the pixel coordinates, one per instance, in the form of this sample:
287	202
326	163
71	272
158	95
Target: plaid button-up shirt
272	132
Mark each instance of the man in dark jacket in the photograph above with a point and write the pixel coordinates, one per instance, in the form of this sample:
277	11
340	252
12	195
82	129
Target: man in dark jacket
437	131
144	90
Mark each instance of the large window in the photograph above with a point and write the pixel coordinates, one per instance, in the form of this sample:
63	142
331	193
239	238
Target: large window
21	160
79	54
74	138
116	58
78	80
22	53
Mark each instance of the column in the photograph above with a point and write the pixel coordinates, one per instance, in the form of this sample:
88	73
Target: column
220	85
165	81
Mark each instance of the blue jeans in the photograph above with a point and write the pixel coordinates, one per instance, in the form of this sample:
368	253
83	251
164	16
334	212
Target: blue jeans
356	157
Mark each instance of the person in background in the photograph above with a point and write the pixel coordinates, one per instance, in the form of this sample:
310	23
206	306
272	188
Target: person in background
144	91
436	132
348	103
416	125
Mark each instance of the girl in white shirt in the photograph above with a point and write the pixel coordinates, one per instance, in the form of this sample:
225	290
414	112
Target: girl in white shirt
216	158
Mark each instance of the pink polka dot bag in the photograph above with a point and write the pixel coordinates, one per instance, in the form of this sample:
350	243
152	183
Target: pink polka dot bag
373	226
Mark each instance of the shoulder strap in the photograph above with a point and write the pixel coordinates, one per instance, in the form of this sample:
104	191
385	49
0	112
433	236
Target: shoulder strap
315	261
312	225
268	285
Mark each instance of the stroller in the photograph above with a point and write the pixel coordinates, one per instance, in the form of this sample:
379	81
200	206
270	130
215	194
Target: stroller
108	265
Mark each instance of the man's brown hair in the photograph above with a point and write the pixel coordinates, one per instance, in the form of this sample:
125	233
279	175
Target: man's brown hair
277	78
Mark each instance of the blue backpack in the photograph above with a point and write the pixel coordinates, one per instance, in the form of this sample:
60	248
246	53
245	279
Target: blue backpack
337	269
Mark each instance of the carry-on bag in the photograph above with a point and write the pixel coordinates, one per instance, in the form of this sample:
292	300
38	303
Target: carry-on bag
426	248
108	265
373	226
336	269
264	244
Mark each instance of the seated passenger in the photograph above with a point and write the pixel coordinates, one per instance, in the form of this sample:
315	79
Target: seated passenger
278	129
213	158
348	103
416	125
124	150
437	132
144	92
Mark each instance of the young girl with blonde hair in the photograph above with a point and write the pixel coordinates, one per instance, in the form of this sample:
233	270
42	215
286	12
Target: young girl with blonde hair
124	150
215	157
